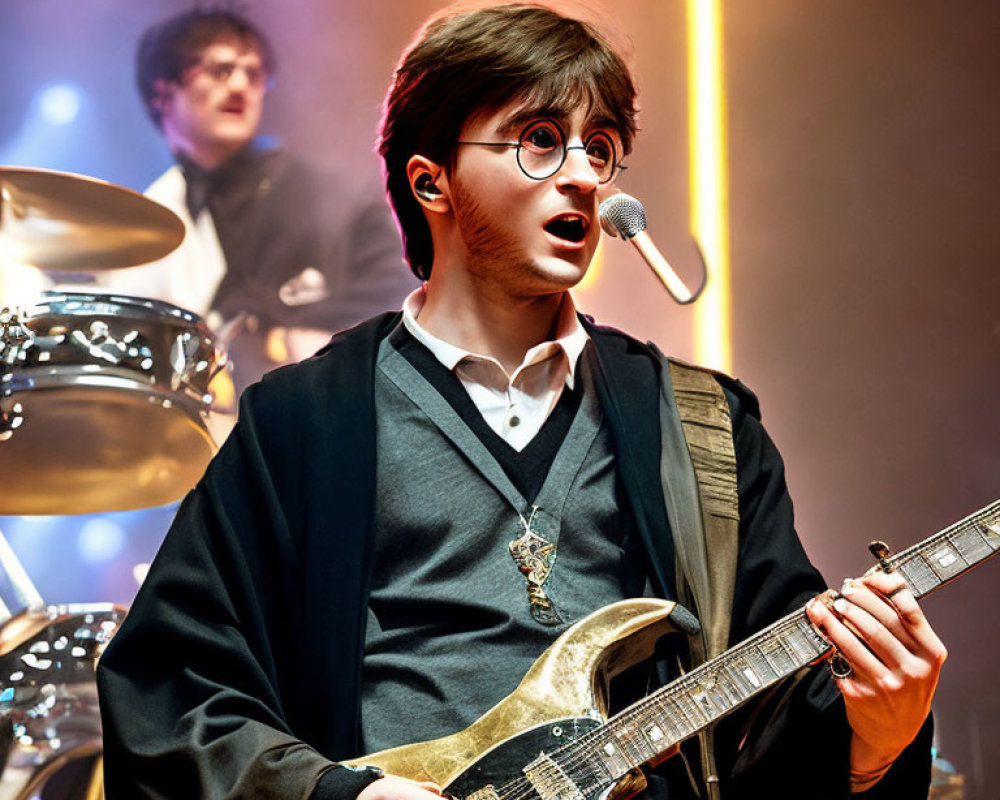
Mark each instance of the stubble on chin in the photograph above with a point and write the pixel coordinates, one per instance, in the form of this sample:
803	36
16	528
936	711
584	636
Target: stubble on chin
486	243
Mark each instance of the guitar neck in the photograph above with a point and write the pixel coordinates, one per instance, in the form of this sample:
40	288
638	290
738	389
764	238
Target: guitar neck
691	703
944	556
694	701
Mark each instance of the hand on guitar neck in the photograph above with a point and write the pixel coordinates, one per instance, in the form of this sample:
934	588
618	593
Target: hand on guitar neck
895	659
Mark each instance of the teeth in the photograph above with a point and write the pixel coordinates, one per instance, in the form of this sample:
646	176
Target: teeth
570	219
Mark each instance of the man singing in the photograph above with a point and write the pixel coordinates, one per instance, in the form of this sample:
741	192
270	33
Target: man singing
355	571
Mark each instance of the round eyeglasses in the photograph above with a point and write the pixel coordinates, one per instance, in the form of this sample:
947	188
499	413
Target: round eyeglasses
541	151
222	71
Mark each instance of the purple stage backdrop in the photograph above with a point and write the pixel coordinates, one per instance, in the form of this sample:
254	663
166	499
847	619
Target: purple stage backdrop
864	165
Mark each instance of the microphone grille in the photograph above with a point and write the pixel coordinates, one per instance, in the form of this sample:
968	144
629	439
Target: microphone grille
622	215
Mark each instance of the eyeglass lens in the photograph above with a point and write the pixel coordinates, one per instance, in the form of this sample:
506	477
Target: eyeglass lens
222	71
542	150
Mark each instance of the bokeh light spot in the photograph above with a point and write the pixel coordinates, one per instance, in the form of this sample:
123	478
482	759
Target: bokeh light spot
59	104
100	540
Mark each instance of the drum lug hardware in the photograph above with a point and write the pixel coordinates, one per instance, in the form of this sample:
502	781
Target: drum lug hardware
12	332
10	421
98	332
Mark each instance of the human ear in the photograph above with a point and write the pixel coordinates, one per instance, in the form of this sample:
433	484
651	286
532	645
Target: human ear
429	183
163	93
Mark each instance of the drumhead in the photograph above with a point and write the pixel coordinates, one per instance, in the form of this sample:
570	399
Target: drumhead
91	303
104	404
85	449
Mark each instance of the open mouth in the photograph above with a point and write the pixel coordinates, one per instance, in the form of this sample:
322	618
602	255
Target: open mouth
233	106
571	227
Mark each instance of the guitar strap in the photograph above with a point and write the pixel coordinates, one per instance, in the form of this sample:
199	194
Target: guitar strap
698	473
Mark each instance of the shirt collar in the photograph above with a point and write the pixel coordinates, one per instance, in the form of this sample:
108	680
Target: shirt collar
201	183
570	338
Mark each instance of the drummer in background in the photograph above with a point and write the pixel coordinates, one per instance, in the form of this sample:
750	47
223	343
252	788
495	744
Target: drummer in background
278	253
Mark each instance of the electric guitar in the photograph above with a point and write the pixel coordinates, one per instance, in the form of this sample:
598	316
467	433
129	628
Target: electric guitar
552	737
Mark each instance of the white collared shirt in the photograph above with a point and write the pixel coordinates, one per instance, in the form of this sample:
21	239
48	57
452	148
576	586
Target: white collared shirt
515	406
190	275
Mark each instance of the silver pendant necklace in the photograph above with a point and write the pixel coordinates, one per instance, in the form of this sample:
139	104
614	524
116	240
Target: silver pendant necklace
535	556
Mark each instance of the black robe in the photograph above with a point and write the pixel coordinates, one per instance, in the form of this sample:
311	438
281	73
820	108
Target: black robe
238	670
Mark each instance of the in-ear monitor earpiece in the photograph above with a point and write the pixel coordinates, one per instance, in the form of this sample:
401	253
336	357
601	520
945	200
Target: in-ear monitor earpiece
425	188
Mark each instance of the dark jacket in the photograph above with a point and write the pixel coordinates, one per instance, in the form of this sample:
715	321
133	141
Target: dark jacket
237	671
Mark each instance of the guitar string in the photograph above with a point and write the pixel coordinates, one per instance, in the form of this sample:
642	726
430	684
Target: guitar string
920	554
579	766
970	524
577	754
573	755
520	788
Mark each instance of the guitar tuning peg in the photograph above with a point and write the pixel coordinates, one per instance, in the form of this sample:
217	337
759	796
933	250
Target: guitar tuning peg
880	550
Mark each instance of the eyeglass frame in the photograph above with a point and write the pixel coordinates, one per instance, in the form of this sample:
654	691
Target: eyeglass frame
222	71
566	147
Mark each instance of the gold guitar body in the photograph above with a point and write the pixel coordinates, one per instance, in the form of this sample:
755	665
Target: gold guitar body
551	739
567	685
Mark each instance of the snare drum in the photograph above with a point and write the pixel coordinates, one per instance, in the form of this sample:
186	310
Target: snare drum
51	723
104	403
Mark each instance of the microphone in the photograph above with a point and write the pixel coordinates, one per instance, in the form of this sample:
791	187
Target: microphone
623	215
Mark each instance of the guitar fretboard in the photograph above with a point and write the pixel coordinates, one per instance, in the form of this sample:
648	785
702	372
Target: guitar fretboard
946	555
693	702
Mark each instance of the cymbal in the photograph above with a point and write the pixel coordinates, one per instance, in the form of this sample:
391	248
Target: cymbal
67	222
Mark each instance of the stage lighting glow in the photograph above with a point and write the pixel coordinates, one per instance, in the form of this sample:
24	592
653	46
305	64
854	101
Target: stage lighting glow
60	103
100	540
37	519
596	264
139	572
709	179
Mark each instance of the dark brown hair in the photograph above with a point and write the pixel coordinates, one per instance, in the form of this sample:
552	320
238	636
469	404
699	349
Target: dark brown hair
172	46
475	62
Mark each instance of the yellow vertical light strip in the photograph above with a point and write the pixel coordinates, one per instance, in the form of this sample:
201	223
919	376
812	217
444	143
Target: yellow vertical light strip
709	180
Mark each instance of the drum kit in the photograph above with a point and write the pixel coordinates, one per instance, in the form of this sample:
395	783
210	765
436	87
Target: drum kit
104	406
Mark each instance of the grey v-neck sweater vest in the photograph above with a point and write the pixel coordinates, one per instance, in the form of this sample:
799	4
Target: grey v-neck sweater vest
449	631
